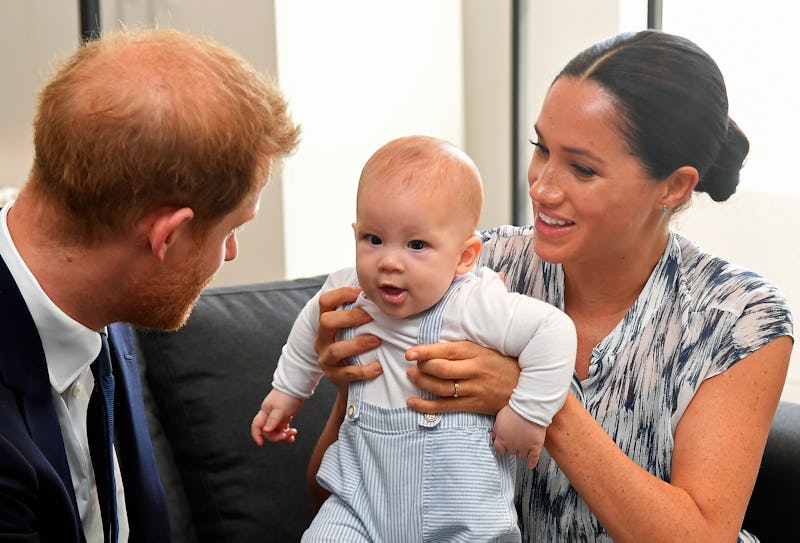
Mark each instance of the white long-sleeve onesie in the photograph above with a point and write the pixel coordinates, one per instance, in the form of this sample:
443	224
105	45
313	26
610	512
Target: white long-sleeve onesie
482	310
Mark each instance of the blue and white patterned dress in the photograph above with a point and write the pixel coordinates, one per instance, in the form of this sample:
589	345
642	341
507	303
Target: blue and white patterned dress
695	318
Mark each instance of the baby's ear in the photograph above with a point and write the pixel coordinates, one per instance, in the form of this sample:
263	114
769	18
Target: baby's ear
470	253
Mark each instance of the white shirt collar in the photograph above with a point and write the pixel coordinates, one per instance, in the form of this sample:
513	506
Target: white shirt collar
69	346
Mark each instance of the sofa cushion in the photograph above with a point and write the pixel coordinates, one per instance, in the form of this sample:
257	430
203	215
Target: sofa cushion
772	512
207	381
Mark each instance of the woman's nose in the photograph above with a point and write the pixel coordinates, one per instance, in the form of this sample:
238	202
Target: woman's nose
543	182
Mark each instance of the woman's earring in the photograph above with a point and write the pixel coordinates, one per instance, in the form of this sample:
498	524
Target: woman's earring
664	208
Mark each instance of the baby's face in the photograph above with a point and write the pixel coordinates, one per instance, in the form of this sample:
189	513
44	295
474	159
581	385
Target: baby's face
407	248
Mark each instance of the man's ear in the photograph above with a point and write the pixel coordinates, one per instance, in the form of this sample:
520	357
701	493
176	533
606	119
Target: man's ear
678	186
470	253
163	229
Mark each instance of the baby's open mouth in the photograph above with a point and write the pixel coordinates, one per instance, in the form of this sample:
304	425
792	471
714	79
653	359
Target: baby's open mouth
392	293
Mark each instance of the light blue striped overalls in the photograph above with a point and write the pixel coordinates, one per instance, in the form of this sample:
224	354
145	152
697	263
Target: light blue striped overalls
401	476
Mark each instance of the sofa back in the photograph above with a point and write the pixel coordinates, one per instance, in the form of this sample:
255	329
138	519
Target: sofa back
203	385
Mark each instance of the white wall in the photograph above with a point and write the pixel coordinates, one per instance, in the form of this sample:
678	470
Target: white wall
359	73
32	35
487	102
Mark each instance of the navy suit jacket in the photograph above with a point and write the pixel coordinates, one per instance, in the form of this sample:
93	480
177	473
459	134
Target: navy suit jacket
37	499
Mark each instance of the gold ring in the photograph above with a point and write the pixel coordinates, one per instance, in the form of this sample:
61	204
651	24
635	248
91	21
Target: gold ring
455	385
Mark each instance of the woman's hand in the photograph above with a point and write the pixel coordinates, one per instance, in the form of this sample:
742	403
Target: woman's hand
483	378
332	353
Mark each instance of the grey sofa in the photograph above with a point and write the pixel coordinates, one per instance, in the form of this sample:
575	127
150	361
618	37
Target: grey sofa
204	383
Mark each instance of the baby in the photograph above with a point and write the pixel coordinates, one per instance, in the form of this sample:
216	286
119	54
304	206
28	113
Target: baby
395	474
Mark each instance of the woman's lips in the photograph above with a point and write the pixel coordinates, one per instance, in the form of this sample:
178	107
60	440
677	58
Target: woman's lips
549	225
553	221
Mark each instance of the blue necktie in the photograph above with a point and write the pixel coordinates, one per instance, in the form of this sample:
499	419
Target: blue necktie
100	430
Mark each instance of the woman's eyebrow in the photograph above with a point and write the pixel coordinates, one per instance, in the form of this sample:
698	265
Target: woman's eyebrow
571	150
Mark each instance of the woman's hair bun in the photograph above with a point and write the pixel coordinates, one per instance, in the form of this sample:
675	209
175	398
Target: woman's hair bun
722	177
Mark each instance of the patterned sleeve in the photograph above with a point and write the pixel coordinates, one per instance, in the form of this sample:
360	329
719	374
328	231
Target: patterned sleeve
508	249
766	316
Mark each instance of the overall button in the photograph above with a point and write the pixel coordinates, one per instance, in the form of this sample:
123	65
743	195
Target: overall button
432	417
351	410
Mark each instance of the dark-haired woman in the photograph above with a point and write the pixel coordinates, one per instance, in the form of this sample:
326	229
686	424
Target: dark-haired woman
682	356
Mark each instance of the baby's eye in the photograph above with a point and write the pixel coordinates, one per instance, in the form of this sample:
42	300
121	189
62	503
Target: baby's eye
373	239
416	244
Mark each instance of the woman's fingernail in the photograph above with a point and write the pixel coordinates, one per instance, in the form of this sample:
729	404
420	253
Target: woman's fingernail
411	355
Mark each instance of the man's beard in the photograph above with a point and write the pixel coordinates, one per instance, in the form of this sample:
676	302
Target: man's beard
164	302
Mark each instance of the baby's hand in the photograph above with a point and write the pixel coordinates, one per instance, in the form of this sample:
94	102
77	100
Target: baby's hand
272	422
518	436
